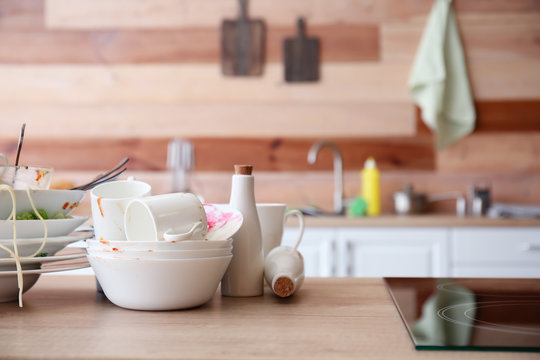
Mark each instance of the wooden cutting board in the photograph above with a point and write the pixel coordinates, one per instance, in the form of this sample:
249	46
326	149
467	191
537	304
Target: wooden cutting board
301	56
242	45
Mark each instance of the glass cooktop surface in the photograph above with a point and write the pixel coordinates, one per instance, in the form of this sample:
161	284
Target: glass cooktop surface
469	314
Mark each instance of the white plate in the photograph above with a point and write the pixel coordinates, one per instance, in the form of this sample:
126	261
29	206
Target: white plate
158	245
51	201
28	247
34	228
42	259
223	221
45	271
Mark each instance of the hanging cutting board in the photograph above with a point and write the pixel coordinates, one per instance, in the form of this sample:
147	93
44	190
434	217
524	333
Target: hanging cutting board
301	56
242	45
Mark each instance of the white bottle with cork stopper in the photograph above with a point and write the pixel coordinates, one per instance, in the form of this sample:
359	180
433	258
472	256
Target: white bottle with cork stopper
244	277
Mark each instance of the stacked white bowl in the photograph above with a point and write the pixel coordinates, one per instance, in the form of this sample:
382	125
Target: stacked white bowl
160	274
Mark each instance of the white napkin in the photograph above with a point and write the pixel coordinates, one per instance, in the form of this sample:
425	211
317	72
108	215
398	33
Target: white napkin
438	81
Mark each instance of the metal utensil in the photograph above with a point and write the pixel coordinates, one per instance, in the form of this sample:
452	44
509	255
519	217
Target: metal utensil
104	177
19	145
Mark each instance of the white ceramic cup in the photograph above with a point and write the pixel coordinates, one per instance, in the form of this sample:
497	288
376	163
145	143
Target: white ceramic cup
168	217
273	218
109	201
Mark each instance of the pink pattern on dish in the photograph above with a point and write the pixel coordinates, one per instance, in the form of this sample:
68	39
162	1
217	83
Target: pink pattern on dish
216	218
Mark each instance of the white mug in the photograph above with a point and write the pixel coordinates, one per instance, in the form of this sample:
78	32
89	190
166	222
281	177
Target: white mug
272	218
109	201
168	217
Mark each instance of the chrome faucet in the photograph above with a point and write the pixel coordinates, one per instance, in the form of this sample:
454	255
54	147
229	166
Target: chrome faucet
338	171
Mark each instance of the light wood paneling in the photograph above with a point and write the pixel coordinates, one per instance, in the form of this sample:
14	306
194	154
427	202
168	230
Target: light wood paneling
211	120
503	153
486	37
186	13
21	14
196	45
211	154
166	84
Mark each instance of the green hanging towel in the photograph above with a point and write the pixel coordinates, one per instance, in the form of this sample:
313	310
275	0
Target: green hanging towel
439	82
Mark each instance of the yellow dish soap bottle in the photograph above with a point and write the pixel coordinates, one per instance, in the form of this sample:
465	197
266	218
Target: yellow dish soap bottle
371	188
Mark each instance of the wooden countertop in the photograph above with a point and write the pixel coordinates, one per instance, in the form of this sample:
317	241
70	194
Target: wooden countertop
413	221
342	318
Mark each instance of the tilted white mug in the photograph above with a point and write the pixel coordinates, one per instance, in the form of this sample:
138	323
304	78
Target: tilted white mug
109	202
169	217
272	218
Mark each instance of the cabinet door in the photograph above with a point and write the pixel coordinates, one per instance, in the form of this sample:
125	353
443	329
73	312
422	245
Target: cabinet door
377	252
317	248
496	252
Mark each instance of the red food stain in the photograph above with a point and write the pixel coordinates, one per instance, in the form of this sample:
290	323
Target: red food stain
75	204
114	249
40	174
64	207
99	206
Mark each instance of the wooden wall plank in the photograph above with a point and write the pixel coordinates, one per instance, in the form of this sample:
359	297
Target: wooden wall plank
21	15
169	84
316	187
496	153
485	37
508	116
339	43
499	116
77	14
211	154
211	120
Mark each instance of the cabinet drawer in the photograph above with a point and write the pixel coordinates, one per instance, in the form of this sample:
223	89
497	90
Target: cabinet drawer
496	245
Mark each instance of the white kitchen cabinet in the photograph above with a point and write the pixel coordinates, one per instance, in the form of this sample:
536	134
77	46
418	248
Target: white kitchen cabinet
420	251
495	252
318	247
377	252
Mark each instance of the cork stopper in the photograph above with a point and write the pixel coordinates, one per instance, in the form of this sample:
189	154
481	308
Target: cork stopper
283	287
243	169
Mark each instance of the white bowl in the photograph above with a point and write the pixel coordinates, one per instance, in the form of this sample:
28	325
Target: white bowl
160	245
52	201
9	287
159	254
34	228
159	284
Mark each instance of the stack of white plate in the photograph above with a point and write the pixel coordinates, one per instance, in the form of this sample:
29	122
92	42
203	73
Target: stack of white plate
30	235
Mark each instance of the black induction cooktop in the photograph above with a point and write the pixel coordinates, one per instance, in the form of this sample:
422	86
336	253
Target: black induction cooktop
469	314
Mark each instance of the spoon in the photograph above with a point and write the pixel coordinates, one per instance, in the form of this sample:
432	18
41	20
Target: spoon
19	145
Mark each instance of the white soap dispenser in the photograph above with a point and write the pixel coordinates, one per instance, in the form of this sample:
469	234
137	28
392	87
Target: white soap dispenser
244	277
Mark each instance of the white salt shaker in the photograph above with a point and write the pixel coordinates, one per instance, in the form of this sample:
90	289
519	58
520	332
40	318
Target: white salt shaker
284	269
244	277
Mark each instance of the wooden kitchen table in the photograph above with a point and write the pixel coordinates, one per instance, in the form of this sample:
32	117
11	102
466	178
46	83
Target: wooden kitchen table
329	318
